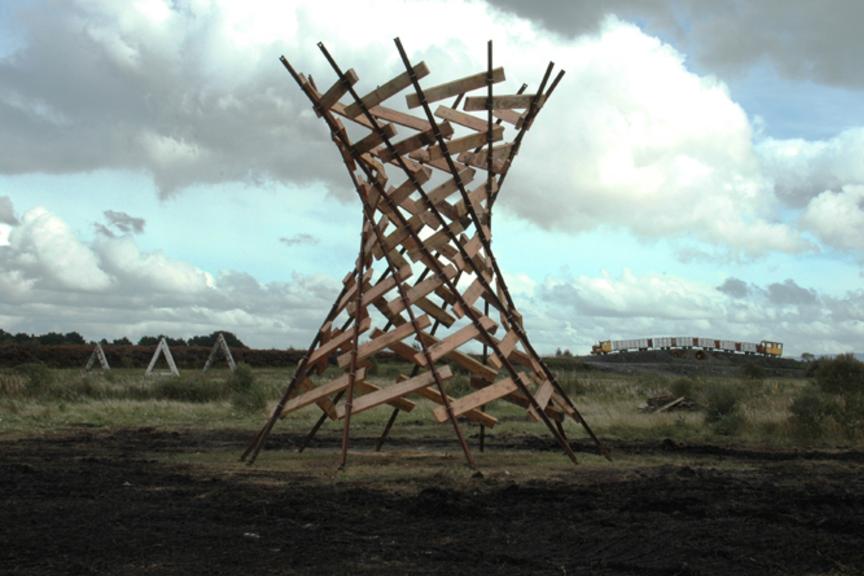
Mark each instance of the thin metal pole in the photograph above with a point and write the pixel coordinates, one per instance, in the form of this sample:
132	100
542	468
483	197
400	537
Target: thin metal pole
389	425
254	447
359	313
489	178
342	141
403	224
318	424
484	241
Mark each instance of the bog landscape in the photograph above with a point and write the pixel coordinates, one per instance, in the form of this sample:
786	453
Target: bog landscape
653	369
115	472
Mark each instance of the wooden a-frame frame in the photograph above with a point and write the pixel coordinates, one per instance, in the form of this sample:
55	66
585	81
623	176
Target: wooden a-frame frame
163	350
98	355
220	345
427	184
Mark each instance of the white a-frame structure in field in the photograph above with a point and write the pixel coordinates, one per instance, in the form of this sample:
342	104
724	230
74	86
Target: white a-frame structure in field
220	345
98	355
162	348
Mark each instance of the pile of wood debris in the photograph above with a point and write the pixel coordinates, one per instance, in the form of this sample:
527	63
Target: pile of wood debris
668	403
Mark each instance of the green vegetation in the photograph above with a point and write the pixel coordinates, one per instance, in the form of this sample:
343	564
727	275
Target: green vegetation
833	404
723	410
246	394
827	410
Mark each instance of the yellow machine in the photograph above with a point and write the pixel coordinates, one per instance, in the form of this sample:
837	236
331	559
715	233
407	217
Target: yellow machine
604	347
772	348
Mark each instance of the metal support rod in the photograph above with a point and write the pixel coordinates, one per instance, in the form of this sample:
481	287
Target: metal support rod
414	372
383	195
254	447
484	240
401	221
318	424
389	425
359	313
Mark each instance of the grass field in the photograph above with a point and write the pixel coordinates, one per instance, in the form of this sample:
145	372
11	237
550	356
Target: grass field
42	400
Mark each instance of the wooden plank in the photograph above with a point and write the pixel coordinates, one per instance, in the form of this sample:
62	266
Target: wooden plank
498	102
339	109
373	139
461	118
381	340
456	339
324	403
455	87
381	306
518	398
414	142
367	387
419	290
542	396
464	143
337	340
321	391
407	188
382	287
436	312
388	89
499	153
338	89
470	296
395	391
442	192
398	236
510	116
479	398
401	118
474	415
671	404
506	346
471	159
404	351
477	197
352	289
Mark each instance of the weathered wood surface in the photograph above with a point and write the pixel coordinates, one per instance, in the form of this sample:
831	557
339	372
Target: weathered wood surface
394	391
388	89
455	87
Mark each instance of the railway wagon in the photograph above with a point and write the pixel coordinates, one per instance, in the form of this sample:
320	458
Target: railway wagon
764	348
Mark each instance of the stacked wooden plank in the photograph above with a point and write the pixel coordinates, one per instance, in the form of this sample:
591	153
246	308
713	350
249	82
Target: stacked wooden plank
426	285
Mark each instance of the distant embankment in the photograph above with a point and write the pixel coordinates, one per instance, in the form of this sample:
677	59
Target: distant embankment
189	357
697	362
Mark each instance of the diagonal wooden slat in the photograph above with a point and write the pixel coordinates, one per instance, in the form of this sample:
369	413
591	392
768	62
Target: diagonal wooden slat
454	87
388	89
394	391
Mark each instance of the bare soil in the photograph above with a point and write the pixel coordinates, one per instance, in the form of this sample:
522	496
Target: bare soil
123	502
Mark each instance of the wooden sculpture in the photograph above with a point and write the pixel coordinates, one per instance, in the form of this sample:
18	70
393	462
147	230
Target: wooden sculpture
220	345
162	350
427	184
98	355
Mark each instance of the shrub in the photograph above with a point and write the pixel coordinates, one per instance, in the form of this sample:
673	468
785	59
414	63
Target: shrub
729	424
809	414
843	375
723	411
188	388
12	383
683	387
40	379
753	372
246	394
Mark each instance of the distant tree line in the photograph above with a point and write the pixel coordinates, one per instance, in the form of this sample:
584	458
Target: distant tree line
49	339
58	339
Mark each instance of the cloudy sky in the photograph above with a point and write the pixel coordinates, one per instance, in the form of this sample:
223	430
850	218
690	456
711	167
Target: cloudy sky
697	172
